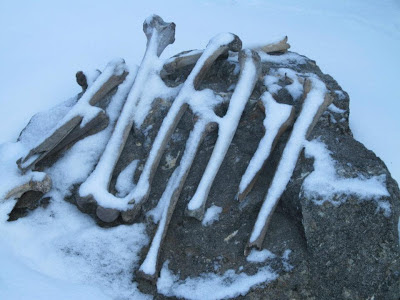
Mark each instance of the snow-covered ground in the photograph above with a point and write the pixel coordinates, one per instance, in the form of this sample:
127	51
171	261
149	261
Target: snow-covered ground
44	43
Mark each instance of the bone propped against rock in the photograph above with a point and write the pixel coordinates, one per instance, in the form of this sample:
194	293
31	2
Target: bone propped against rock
149	268
218	45
249	72
280	46
278	118
83	115
315	103
189	58
159	35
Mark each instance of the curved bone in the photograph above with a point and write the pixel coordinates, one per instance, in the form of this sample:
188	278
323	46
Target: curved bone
249	73
278	117
215	48
80	119
39	182
316	101
159	35
279	46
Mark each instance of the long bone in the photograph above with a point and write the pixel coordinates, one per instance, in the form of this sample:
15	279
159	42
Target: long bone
82	118
189	58
278	117
148	269
250	71
316	101
218	45
159	35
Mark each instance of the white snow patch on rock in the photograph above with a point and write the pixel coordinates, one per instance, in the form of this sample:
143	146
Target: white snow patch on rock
324	182
211	215
257	256
212	286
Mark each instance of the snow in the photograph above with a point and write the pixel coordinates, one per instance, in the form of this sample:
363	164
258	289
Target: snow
226	130
257	256
275	115
323	183
39	63
335	109
212	286
125	182
211	215
290	154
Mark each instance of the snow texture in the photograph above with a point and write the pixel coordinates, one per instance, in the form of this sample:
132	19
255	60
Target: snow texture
125	182
275	115
290	154
212	286
257	256
323	183
211	215
227	128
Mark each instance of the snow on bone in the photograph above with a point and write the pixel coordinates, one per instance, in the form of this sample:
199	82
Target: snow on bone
201	103
316	101
186	97
83	116
147	87
249	73
278	117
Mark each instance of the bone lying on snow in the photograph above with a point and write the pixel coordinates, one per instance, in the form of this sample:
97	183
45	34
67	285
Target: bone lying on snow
159	35
317	99
40	183
81	119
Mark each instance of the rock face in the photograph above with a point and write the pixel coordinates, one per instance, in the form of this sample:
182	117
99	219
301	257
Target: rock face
344	246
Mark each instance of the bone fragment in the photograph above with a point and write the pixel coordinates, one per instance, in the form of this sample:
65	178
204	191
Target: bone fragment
278	117
278	47
249	73
75	123
39	182
316	101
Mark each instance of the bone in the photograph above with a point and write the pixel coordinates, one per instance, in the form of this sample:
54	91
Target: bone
159	35
76	123
249	73
278	117
189	58
39	182
316	101
215	47
278	47
150	265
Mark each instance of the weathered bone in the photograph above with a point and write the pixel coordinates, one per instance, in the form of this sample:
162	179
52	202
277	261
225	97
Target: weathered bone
39	182
215	48
277	47
316	101
278	117
80	119
159	35
189	58
149	267
250	71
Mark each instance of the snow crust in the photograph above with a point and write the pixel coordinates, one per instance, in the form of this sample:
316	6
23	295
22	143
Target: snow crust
212	286
275	115
323	183
211	215
290	154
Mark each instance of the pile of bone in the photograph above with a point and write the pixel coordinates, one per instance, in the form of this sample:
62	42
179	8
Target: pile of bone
136	95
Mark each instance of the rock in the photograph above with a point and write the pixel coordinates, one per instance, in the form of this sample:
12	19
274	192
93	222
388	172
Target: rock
107	215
